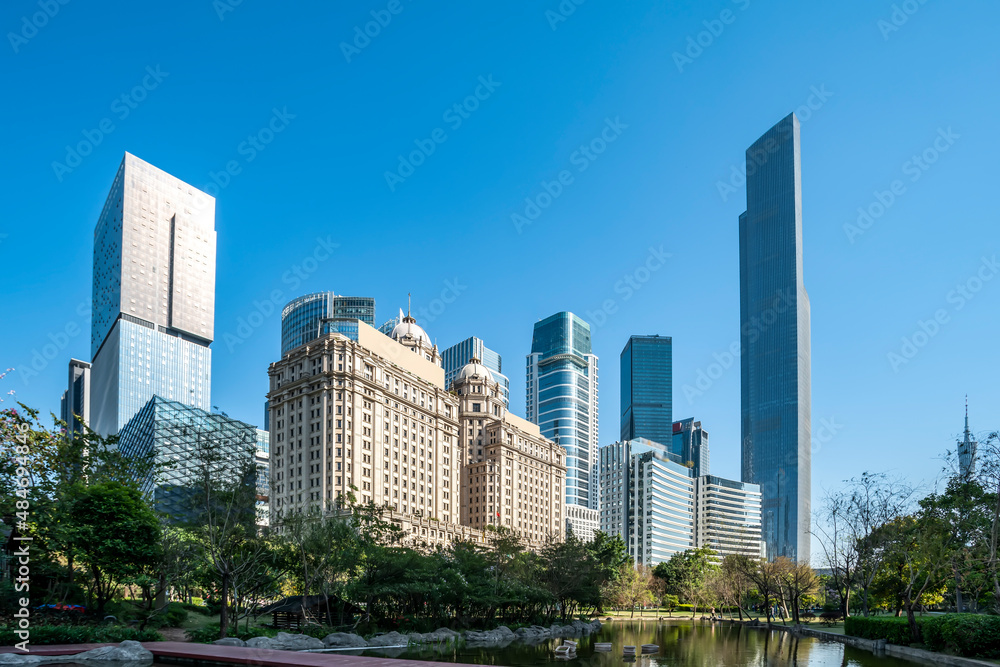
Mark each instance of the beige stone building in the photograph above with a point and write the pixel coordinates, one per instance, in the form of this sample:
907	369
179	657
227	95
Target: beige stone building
513	476
373	413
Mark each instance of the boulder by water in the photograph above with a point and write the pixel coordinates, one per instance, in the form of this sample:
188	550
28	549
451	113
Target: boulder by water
344	640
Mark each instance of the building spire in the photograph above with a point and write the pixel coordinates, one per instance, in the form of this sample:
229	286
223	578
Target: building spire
408	314
966	416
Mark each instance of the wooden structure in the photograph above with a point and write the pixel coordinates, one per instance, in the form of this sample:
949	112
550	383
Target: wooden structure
295	611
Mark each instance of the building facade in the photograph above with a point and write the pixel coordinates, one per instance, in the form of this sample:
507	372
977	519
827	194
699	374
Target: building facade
654	503
966	448
75	404
775	342
457	356
647	388
690	443
175	433
262	456
153	295
562	380
309	316
513	476
727	517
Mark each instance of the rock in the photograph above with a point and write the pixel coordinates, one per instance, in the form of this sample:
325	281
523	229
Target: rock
19	659
439	635
260	642
390	639
289	642
230	641
127	651
344	640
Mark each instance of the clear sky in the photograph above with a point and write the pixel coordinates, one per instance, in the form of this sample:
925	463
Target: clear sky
678	91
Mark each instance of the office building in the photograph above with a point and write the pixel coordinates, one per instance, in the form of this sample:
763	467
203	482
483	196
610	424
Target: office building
374	414
513	477
727	517
690	443
774	339
190	441
153	295
967	449
562	399
75	403
309	316
262	456
647	388
457	356
659	508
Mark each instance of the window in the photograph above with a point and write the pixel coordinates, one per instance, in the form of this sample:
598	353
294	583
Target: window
476	407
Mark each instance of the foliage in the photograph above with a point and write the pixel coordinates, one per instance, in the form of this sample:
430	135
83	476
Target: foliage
210	632
894	629
80	634
969	635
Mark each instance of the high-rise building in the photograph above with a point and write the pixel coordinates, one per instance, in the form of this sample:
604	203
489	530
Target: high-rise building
690	443
174	432
457	356
774	339
262	455
647	389
659	508
153	295
513	476
75	404
307	317
967	449
562	400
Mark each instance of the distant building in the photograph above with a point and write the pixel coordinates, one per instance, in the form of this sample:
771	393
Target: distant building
458	355
562	400
309	316
647	388
656	505
262	455
690	443
967	449
775	342
174	432
75	403
153	295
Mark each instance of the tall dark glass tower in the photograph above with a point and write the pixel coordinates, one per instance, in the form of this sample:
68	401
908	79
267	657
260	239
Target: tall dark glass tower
647	389
774	335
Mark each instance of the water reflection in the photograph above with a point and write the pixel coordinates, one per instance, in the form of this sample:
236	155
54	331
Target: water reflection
682	643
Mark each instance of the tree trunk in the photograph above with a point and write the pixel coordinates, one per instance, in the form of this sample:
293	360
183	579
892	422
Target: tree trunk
224	612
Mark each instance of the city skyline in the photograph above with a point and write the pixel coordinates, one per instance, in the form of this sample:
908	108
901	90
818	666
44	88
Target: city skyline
619	245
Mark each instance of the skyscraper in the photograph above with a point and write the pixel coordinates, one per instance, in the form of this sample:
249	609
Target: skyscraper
459	354
690	443
153	295
562	400
647	389
309	316
774	338
967	449
75	404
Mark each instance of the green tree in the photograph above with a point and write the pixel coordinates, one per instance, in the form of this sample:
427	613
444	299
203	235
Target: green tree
116	535
686	575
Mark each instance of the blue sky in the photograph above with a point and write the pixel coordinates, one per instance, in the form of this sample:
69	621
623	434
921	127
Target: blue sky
874	83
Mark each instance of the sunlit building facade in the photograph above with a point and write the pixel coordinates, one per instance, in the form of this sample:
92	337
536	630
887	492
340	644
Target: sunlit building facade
458	355
647	388
309	316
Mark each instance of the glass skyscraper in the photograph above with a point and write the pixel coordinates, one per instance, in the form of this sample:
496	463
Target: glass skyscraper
774	338
459	354
172	431
647	389
153	295
310	316
690	443
562	400
75	404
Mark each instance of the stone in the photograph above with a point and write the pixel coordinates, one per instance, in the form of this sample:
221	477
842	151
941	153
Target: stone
344	640
230	641
260	642
19	659
295	642
390	639
127	651
439	635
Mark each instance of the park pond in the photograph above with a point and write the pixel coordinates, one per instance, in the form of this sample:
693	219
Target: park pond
682	643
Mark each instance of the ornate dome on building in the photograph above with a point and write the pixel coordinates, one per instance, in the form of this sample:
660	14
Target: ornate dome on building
474	369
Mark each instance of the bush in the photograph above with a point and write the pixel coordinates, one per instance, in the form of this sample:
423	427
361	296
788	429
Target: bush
210	633
80	634
968	635
196	608
894	630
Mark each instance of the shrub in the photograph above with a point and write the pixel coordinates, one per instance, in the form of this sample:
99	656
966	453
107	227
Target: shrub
894	630
968	635
210	632
80	634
